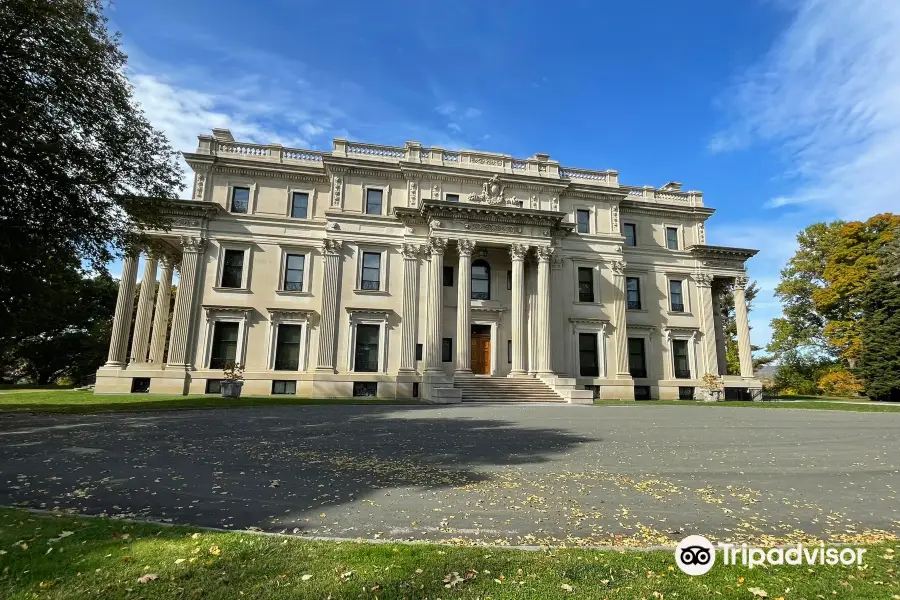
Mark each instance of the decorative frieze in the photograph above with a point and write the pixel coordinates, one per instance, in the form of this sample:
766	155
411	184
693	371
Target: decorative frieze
413	193
199	184
615	217
492	227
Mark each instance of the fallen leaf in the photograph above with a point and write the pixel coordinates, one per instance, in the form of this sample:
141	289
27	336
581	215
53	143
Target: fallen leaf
306	577
215	550
758	592
178	561
567	587
148	578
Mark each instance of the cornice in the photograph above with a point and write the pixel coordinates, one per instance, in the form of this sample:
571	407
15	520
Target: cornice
639	207
205	163
721	252
469	211
459	174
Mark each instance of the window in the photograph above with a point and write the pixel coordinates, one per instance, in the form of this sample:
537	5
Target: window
365	388
447	350
672	238
233	269
294	267
140	385
509	351
371	271
373	201
418	351
481	280
240	200
633	292
588	364
585	284
676	298
681	360
630	232
637	363
642	392
224	344
299	205
509	280
287	348
448	276
685	393
415	390
583	220
213	386
366	356
452	197
284	387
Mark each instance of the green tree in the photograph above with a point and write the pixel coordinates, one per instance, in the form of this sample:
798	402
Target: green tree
879	362
726	306
76	149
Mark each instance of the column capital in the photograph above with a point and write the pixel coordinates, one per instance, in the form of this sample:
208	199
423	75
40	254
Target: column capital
741	281
703	279
410	251
518	251
436	246
556	261
465	247
193	244
330	246
618	267
543	253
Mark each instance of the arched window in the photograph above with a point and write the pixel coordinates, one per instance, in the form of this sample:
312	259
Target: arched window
481	280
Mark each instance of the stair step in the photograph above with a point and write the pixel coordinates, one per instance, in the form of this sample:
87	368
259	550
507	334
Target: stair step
504	389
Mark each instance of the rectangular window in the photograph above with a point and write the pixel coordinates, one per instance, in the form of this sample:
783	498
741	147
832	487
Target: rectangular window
371	271
368	389
509	280
633	292
213	386
299	205
373	201
287	349
630	231
685	393
415	389
672	238
676	298
233	269
585	284
284	387
418	351
140	385
224	345
637	363
642	392
447	350
509	351
452	197
366	356
294	267
448	276
240	200
588	364
680	358
583	220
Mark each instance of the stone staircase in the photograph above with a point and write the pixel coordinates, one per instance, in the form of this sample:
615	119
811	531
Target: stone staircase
476	388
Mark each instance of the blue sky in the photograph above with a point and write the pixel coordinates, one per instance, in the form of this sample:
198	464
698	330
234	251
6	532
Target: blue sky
783	112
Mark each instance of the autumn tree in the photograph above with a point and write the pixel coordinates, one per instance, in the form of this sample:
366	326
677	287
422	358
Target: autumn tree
879	330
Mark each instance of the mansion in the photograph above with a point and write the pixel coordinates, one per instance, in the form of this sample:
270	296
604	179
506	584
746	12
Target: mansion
421	272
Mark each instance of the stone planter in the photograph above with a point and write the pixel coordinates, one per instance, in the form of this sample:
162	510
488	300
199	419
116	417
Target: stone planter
231	389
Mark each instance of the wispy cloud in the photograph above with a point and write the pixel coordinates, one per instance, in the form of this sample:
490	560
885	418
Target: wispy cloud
827	95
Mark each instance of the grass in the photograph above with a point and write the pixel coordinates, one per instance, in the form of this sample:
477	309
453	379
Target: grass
59	557
808	404
80	402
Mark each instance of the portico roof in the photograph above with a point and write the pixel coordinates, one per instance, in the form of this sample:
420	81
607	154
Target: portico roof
469	211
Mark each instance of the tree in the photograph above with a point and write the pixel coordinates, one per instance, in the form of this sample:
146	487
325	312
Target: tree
76	149
879	362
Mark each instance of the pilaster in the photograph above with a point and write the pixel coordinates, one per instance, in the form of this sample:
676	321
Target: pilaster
331	262
410	307
620	333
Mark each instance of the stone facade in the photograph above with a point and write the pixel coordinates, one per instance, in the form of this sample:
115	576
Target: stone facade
391	270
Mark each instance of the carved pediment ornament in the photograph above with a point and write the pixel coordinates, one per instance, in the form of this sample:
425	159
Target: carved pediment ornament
493	192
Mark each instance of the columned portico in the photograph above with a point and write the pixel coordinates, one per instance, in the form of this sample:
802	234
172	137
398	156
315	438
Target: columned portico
141	340
543	311
184	302
436	247
464	307
707	324
161	313
118	343
517	255
331	258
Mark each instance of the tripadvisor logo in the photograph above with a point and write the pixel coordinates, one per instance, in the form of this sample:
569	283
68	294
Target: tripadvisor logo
695	555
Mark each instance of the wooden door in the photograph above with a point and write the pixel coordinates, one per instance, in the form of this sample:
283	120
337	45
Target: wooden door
481	354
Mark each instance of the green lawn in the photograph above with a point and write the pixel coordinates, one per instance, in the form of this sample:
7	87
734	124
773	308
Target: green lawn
58	557
71	401
811	404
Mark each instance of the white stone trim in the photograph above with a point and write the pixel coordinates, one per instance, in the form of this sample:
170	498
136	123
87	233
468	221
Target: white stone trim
596	274
278	316
646	334
385	197
246	248
307	252
384	264
311	193
692	337
491	318
243	182
592	220
226	314
680	230
641	276
362	316
686	281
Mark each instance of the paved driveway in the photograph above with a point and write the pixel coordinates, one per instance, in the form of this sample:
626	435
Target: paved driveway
640	475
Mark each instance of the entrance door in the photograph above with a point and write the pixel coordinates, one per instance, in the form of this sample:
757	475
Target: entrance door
481	349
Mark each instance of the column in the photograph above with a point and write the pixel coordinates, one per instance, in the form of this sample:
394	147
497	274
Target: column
118	342
557	323
161	313
410	315
517	254
668	358
436	247
331	259
543	311
141	340
709	364
743	326
184	301
621	332
464	307
719	324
